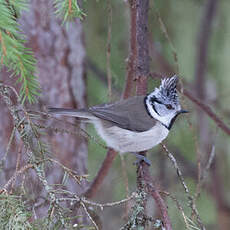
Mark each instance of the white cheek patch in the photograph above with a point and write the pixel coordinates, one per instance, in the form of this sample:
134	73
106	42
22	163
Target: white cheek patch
165	120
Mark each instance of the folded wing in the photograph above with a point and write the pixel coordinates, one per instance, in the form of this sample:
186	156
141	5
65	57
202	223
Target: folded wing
128	114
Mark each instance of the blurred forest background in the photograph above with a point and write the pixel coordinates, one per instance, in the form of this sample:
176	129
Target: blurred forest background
75	62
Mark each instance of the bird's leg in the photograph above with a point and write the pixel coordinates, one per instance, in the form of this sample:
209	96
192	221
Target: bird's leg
141	158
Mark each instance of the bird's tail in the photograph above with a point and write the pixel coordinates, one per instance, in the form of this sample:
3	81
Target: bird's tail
81	113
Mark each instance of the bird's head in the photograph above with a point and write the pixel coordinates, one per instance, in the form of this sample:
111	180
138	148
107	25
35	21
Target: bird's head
163	103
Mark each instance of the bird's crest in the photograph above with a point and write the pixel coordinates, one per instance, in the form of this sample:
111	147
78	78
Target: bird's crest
167	90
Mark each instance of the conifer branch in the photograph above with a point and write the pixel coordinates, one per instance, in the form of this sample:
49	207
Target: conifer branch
13	53
68	10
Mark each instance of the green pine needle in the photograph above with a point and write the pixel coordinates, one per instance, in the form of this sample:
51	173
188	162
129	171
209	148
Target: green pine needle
68	10
13	53
13	214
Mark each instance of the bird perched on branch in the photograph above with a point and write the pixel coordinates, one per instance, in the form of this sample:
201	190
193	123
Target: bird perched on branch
137	123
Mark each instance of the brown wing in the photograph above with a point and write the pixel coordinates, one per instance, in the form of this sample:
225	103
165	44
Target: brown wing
128	114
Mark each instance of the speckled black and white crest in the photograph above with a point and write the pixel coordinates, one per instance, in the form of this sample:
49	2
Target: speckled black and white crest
167	90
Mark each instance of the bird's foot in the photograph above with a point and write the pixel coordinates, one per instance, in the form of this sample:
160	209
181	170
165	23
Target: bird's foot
141	158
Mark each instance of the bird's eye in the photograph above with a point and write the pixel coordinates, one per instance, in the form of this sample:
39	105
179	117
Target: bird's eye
168	106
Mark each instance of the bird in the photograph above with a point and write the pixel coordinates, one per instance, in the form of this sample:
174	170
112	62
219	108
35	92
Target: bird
135	124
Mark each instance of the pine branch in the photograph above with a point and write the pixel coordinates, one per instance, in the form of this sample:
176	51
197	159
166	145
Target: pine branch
35	148
13	53
68	10
13	213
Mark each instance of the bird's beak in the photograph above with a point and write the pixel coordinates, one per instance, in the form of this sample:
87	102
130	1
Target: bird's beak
183	111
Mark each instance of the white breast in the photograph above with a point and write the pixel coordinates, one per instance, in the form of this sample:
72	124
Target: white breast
123	140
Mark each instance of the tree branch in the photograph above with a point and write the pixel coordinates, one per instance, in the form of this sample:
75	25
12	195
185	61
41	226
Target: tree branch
142	61
208	110
144	181
151	190
29	136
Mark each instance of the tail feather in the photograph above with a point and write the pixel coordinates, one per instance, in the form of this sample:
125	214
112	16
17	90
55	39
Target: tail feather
81	113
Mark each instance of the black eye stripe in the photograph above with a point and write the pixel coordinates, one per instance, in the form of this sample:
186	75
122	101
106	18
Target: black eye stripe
158	102
154	99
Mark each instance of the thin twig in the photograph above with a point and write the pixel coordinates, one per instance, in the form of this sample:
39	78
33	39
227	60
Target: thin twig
108	53
179	206
111	204
165	32
131	63
16	174
77	198
181	178
87	213
19	157
208	110
72	173
205	171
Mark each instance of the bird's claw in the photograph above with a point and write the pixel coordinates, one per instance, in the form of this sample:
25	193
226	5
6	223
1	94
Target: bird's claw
141	158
